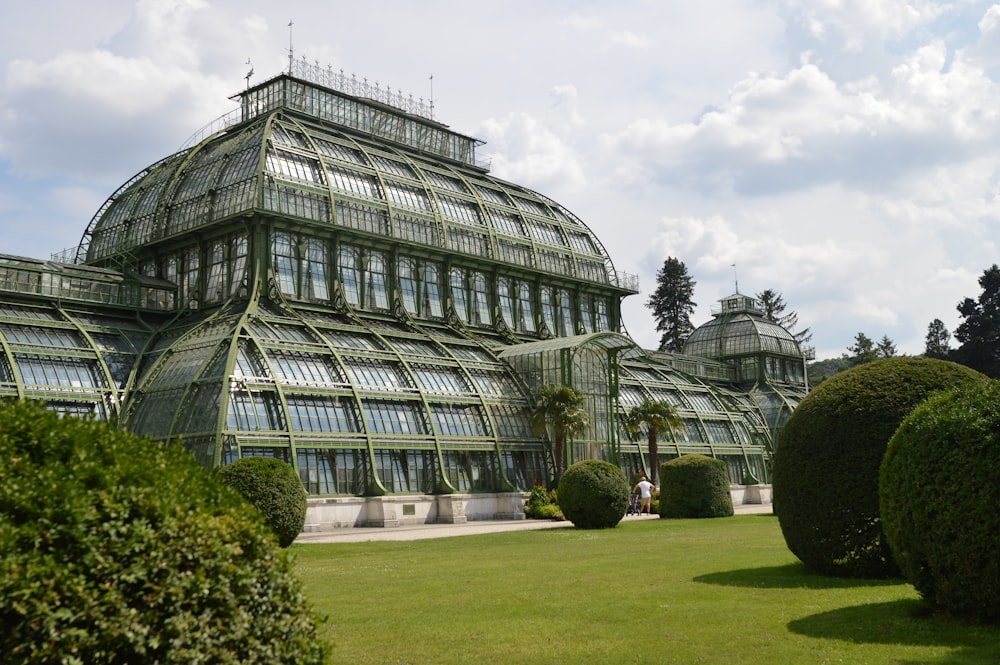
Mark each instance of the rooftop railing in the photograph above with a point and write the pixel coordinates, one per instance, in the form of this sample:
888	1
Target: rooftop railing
338	80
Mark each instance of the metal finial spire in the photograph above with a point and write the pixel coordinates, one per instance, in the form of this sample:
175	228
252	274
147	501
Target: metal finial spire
432	96
291	50
736	279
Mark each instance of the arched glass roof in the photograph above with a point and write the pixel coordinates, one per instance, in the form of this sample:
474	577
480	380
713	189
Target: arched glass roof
716	420
302	384
75	360
289	164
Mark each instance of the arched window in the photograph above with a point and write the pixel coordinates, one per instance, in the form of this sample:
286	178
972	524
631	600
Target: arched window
409	282
514	299
505	297
420	286
586	314
375	281
526	313
480	299
549	309
459	295
565	318
315	270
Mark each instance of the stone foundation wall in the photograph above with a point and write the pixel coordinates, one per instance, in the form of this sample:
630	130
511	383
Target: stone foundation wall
327	514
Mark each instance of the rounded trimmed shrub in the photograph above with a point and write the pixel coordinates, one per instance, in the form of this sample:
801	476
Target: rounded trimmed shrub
940	489
694	486
117	550
273	487
593	494
826	465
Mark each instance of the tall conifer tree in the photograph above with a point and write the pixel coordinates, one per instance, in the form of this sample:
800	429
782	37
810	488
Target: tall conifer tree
672	304
774	306
936	343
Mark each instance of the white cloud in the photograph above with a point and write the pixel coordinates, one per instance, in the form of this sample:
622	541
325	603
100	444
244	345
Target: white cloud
168	71
628	39
855	21
524	150
784	132
566	108
118	86
582	23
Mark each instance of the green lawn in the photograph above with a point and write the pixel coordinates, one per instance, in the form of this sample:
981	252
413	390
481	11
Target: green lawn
723	591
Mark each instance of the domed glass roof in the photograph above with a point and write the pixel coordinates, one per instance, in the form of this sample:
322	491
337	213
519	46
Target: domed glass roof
739	328
283	161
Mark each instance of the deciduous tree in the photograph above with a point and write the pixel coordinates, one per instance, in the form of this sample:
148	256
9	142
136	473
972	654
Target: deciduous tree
979	333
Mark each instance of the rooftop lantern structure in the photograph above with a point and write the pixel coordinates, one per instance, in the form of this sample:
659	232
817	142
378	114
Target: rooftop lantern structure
333	279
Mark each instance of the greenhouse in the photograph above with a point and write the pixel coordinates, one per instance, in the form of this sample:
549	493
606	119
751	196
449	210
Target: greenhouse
332	279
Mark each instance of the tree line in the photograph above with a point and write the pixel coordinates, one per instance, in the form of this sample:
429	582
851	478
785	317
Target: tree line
978	334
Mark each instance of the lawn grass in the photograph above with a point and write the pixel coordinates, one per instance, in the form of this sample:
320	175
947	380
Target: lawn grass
723	591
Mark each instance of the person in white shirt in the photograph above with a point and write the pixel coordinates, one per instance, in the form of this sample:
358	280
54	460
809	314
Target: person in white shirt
645	489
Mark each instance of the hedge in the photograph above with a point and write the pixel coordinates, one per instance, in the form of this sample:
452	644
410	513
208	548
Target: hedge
273	487
939	494
593	494
117	550
695	486
826	465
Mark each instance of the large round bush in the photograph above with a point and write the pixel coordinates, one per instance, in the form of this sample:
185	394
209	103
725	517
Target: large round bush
274	488
940	493
826	466
115	550
695	486
593	494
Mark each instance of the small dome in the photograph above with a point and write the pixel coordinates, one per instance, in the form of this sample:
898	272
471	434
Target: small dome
739	328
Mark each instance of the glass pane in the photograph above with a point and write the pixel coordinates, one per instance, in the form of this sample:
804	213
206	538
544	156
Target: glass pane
350	274
315	272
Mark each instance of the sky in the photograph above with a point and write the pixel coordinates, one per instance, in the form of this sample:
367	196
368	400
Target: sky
843	153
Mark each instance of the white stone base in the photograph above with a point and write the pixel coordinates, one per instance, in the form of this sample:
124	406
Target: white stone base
750	494
327	514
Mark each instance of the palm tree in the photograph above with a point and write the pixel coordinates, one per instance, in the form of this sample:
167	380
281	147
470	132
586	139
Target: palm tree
655	417
559	413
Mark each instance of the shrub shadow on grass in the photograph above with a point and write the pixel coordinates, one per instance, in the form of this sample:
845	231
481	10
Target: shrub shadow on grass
790	576
900	622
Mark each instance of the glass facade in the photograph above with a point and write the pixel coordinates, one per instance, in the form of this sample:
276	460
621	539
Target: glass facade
340	285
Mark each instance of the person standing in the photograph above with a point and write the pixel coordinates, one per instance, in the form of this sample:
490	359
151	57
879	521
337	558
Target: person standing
645	490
